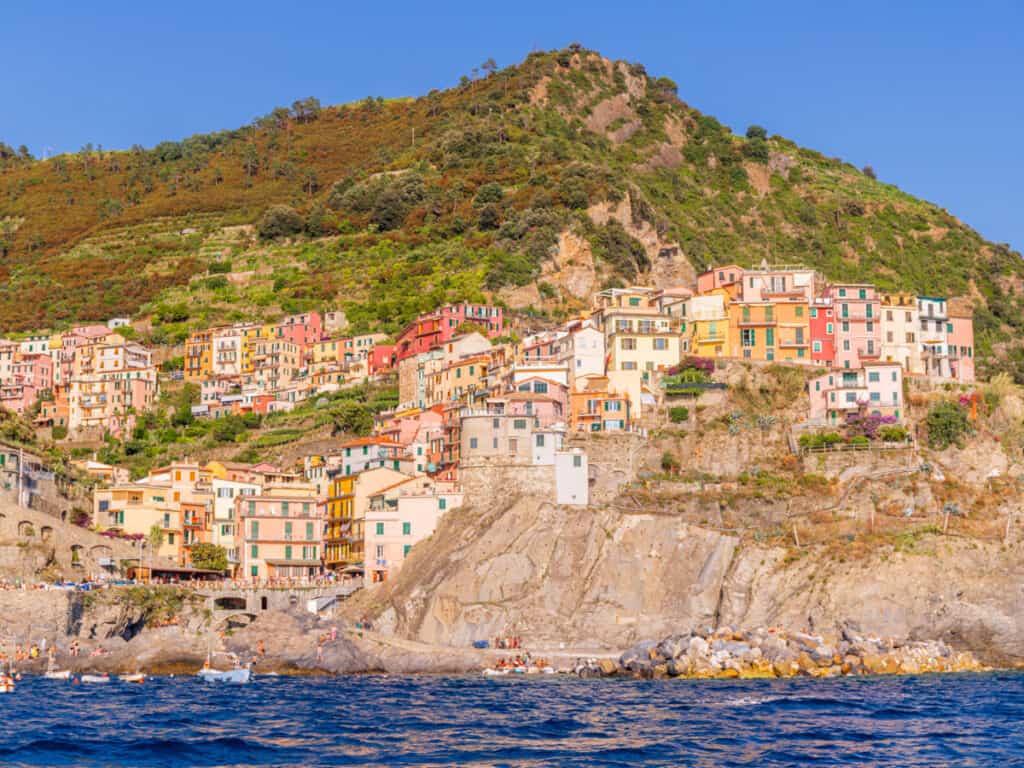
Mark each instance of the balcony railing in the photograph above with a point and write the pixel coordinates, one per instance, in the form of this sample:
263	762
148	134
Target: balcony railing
869	353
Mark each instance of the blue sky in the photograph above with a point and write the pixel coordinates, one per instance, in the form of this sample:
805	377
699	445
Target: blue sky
929	93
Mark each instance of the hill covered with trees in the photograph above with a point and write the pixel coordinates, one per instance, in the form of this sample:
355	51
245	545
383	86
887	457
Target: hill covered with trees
533	184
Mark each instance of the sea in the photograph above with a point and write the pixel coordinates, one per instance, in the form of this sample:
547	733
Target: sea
379	720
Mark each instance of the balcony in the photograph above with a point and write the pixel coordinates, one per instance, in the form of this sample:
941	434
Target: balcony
869	354
747	321
794	344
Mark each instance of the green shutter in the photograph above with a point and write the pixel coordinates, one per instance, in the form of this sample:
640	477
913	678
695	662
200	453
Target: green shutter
769	337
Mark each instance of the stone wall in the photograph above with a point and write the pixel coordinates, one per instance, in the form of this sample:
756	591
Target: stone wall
484	481
33	543
30	615
842	464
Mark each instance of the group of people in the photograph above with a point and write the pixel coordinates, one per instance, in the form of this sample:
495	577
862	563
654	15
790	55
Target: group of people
521	661
506	643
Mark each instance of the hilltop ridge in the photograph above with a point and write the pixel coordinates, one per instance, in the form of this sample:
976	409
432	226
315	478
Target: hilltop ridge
533	185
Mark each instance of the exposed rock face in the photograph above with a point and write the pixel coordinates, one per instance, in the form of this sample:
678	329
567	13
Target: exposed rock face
606	578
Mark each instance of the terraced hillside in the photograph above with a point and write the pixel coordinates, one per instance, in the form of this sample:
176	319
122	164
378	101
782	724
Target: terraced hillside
535	184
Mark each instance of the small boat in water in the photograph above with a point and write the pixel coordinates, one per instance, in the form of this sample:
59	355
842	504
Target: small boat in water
240	675
52	673
6	684
136	678
95	678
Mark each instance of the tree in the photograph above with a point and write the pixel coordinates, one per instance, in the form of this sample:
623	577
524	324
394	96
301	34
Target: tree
947	425
352	417
490	218
489	66
155	539
280	221
869	171
757	132
756	149
210	557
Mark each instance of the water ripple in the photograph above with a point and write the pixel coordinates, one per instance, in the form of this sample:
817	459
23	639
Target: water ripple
951	720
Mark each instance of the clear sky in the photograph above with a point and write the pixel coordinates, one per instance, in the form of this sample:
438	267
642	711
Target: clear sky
929	93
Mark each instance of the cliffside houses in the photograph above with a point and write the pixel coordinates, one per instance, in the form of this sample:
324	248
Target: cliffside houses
89	379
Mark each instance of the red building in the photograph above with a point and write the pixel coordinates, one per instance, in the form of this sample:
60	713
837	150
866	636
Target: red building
435	328
823	333
382	358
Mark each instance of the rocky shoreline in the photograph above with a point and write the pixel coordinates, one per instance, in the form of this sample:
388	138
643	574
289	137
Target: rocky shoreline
771	653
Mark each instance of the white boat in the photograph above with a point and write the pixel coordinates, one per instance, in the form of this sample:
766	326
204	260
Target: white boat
136	678
95	678
240	675
52	673
6	684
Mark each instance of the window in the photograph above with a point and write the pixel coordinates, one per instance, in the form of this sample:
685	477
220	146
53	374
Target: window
472	442
629	344
869	309
816	346
769	313
254	529
634	301
876	397
629	365
888	315
949	327
287	551
661	344
305	507
845	310
842	293
862	293
577	461
309	531
846	345
406	529
828	329
748	337
254	571
540	387
746	314
613	405
284	508
104	506
814	313
769	337
380	529
874	376
405	549
539	439
288	530
170	538
799	310
851	397
519	424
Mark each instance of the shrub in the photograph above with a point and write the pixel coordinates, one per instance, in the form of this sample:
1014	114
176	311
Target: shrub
280	221
819	439
60	432
860	440
489	193
869	171
678	414
894	434
669	463
757	132
756	149
947	425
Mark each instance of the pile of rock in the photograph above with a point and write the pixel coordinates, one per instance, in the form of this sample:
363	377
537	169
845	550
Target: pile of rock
727	653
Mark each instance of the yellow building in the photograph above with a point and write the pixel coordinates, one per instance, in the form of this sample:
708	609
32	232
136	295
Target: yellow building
769	331
198	356
339	527
134	508
706	328
638	335
459	380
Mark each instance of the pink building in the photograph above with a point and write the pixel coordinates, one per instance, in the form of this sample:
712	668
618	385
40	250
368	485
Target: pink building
279	533
960	341
304	329
822	330
858	334
544	399
30	376
435	328
875	389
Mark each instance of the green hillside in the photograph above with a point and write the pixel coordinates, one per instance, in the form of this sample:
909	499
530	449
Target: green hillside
530	184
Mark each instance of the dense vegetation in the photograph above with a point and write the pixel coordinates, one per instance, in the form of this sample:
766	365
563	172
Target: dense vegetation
387	207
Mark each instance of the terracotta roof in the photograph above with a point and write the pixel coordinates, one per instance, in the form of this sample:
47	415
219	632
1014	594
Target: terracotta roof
369	441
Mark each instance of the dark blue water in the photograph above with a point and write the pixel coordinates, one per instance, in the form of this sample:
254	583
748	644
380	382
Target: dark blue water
953	720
